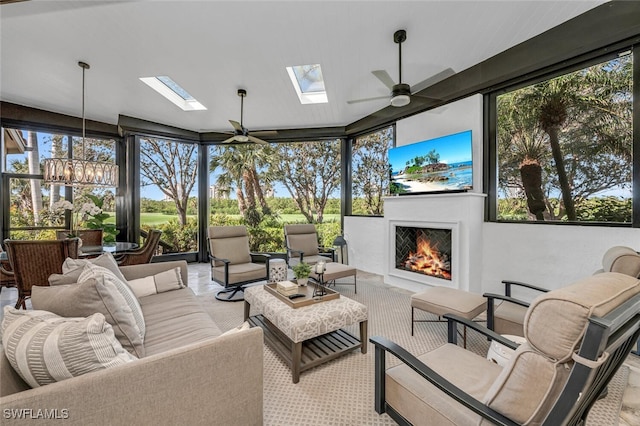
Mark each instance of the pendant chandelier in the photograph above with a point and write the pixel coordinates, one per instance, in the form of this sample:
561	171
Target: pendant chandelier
80	172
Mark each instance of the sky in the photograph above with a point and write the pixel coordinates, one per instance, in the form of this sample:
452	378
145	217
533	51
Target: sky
452	149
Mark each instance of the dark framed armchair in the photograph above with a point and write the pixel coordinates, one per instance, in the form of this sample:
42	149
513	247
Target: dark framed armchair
302	245
233	265
576	339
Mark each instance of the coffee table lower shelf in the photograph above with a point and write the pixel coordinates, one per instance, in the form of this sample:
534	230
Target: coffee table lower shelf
310	353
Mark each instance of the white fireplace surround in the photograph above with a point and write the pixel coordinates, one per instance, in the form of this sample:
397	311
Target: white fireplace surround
463	213
418	277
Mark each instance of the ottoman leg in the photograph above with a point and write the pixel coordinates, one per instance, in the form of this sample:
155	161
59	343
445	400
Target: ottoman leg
247	309
412	320
363	337
296	360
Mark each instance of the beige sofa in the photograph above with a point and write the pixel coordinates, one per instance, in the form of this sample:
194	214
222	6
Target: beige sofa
189	375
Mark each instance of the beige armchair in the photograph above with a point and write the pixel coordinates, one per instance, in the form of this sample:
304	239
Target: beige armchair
576	339
232	263
302	245
507	316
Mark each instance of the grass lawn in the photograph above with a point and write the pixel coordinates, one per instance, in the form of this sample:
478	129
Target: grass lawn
153	219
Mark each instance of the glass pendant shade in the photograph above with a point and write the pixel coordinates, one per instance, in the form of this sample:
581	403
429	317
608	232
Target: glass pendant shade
80	172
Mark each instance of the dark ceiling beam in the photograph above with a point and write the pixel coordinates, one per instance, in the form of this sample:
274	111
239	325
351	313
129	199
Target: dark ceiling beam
286	135
138	126
593	32
14	115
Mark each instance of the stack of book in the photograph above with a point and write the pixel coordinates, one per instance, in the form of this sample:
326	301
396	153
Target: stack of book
286	288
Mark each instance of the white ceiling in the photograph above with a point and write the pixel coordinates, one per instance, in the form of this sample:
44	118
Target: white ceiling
212	48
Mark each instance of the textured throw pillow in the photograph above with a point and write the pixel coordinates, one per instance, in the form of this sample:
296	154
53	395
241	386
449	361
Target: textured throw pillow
244	326
93	271
70	277
44	348
158	283
106	260
93	295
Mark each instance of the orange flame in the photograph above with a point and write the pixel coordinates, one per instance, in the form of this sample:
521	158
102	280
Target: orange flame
428	260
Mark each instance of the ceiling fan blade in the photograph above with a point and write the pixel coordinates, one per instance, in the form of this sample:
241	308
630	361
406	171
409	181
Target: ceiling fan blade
231	139
236	125
385	78
265	133
256	140
432	80
355	101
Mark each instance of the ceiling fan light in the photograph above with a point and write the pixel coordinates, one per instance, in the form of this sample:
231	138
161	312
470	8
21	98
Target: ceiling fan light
242	138
400	100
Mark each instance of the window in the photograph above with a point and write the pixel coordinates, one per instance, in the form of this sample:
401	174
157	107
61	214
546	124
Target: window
265	187
35	208
564	146
173	92
168	193
370	172
308	83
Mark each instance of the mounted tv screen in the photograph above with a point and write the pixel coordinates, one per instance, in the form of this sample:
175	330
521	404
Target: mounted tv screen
443	164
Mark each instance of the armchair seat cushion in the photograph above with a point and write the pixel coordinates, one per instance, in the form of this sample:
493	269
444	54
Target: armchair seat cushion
408	393
175	319
241	272
311	260
508	319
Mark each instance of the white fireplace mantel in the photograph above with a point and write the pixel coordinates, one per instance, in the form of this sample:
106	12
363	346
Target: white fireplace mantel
466	210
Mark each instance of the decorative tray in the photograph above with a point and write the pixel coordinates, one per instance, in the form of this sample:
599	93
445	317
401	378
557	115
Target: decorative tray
302	301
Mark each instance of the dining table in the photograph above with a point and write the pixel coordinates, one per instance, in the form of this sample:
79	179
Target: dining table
113	248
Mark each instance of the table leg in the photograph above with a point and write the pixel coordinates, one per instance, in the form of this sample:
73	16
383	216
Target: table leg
247	309
363	337
296	361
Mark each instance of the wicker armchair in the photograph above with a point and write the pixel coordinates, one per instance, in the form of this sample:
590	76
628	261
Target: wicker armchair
5	279
33	261
144	254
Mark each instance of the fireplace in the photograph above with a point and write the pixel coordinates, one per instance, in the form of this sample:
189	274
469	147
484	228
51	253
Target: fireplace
424	252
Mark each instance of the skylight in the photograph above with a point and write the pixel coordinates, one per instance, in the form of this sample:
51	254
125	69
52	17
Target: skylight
172	91
308	83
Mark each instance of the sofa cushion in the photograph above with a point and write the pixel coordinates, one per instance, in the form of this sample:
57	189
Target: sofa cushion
93	271
105	260
175	319
624	260
88	297
45	348
158	283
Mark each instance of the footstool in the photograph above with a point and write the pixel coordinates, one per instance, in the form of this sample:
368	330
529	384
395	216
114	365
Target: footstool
445	300
333	271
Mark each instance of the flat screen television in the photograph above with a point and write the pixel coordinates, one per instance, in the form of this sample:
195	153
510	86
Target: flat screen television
443	164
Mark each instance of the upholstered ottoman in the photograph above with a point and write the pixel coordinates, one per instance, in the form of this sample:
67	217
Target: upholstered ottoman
333	271
445	300
291	332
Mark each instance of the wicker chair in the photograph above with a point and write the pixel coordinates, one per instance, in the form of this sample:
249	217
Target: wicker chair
33	261
5	279
89	237
144	254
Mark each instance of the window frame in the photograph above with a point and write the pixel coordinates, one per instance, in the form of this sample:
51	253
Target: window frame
490	177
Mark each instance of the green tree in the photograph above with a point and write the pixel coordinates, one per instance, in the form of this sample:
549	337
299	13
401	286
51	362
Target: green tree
370	169
310	171
173	168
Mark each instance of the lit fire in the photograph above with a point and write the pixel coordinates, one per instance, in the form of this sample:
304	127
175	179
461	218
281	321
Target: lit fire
428	260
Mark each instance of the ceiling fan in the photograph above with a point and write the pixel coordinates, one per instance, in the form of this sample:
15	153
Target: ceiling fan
401	93
240	133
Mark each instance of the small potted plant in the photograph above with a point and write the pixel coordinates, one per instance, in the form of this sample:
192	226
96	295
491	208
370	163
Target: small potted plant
301	271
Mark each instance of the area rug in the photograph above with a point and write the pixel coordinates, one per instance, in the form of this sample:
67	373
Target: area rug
341	391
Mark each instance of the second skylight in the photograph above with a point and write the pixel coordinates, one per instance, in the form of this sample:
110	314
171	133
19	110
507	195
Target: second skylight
308	83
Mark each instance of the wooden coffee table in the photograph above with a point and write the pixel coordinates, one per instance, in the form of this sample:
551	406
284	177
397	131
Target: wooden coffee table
310	335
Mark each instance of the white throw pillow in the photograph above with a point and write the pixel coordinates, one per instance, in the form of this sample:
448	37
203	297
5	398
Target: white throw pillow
106	260
93	271
158	283
44	348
